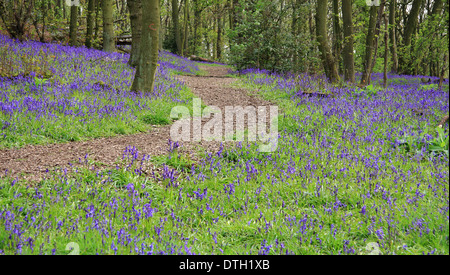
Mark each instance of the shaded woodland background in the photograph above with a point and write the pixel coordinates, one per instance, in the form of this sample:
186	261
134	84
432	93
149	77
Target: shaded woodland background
340	38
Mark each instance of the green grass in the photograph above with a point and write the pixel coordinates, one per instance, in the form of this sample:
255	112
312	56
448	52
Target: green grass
305	198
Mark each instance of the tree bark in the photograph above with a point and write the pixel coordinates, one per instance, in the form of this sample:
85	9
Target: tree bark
443	69
386	43
90	23
367	65
377	35
135	7
186	19
148	53
328	61
108	30
219	37
349	63
437	8
392	35
176	26
73	25
412	22
337	35
197	14
97	12
405	61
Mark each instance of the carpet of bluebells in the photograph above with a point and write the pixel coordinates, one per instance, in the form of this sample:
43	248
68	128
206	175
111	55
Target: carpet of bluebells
341	181
54	93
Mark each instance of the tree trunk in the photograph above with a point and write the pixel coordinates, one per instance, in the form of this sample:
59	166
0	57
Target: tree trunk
412	22
405	60
328	61
97	12
35	20
437	8
337	35
296	29
385	50
108	30
186	20
367	65
349	63
90	23
214	39
197	14
135	7
392	35
219	37
377	35
176	26
73	25
148	54
441	77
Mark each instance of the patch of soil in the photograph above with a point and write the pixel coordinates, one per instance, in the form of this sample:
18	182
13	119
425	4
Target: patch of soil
31	162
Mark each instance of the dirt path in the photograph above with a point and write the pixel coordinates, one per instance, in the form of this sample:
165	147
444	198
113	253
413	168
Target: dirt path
32	161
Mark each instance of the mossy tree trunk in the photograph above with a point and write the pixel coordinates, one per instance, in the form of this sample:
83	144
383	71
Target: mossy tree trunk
148	52
135	7
410	27
328	60
90	23
108	30
392	35
176	26
73	25
349	63
370	41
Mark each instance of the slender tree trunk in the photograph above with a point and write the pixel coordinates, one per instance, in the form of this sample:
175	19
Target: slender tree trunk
385	50
230	14
186	20
35	20
148	54
135	7
219	37
197	14
412	22
73	25
97	12
437	8
367	65
349	63
377	35
337	35
44	15
176	26
214	39
392	35
441	77
90	23
405	60
295	30
328	61
435	14
108	30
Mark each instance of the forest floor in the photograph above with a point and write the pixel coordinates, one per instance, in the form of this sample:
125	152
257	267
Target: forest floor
32	162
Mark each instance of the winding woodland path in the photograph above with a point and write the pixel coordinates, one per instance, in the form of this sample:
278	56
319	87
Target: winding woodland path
31	162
